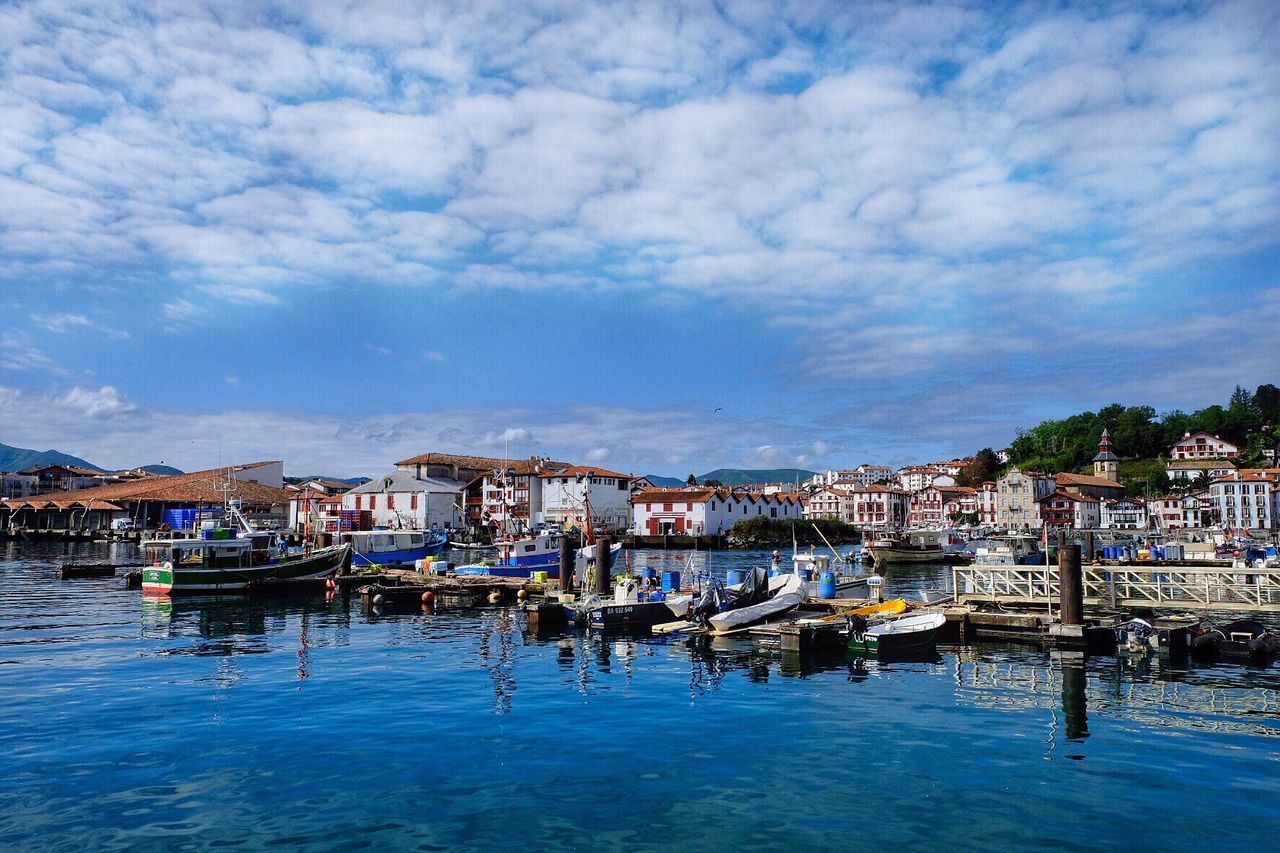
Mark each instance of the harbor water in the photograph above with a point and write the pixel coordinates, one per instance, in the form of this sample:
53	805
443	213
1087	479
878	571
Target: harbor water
195	724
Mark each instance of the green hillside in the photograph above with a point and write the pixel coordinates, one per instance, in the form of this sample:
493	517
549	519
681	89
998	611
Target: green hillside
18	458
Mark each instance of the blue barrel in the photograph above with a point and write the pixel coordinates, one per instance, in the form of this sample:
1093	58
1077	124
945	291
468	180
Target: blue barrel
827	585
1111	552
1128	552
734	576
1160	551
670	581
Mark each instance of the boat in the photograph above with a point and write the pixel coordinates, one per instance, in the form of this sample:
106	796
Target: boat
632	607
1010	550
214	566
518	558
394	547
915	546
908	635
1172	635
1243	638
784	593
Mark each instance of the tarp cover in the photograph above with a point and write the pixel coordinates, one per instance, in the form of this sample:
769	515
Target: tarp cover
718	598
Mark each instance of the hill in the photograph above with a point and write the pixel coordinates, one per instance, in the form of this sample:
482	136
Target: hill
743	476
18	458
162	469
739	476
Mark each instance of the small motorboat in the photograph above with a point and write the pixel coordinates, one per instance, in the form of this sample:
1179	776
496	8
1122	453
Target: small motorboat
1243	638
905	636
726	608
635	607
1172	635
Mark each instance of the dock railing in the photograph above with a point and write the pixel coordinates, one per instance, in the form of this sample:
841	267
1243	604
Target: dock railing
1152	585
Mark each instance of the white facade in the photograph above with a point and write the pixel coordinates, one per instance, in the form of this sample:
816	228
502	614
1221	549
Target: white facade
913	478
1190	469
17	486
1247	499
564	496
402	501
1126	514
986	499
835	502
880	507
705	511
1069	509
1202	445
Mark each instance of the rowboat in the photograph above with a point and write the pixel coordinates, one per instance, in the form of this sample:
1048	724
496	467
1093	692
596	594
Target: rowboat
908	635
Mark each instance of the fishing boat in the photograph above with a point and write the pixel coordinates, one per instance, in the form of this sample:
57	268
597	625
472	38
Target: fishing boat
908	635
1010	550
784	593
518	558
394	547
215	566
915	546
1243	638
633	606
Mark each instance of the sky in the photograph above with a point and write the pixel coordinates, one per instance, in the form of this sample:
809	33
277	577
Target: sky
653	237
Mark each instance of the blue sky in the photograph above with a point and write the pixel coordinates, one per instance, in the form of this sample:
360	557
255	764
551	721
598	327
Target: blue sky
658	237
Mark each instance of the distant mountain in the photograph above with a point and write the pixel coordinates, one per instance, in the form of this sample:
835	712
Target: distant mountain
739	476
161	469
353	481
17	458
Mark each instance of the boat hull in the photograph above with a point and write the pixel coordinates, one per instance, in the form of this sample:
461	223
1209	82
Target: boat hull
403	557
168	579
911	636
890	556
638	615
522	566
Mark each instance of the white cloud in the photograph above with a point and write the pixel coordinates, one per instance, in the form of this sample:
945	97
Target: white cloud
597	454
103	403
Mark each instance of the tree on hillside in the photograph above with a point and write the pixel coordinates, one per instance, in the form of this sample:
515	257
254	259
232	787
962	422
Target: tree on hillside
1241	397
981	467
691	480
1266	401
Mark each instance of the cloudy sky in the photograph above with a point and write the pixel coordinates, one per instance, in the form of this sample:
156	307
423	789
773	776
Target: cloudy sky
658	237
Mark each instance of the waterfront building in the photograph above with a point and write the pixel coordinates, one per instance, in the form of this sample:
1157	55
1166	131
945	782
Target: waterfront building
1070	509
1017	495
17	485
878	507
512	497
833	502
986	499
1248	499
1203	445
1124	514
564	494
401	501
925	509
959	502
706	511
145	500
61	478
1173	512
1190	469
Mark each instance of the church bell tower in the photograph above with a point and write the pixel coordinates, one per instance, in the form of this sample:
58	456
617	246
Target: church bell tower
1106	464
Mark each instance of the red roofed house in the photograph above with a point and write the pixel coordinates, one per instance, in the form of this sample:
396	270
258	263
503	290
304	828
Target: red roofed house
1203	445
706	511
1070	509
564	496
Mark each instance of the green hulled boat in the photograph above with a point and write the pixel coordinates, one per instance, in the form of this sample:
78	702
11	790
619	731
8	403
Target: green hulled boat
224	566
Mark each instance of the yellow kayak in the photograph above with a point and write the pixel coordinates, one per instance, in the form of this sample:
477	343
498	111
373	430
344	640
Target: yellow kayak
887	608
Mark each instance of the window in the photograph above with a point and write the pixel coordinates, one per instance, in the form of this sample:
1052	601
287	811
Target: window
666	507
373	501
413	501
391	501
359	502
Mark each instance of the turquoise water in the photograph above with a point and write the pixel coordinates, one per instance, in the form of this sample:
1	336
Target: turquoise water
306	725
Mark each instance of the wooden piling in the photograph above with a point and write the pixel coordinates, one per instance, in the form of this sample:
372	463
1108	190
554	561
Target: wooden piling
603	547
566	564
1071	593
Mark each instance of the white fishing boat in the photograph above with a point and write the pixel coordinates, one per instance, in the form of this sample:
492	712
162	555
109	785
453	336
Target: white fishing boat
786	593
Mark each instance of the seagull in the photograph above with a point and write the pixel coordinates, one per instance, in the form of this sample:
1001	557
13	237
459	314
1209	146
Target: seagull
718	409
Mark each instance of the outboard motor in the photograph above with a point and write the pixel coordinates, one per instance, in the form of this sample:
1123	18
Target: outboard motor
1140	637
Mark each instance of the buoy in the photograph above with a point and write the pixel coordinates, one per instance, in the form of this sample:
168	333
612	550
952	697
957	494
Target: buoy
428	597
1235	553
522	595
377	599
495	598
330	584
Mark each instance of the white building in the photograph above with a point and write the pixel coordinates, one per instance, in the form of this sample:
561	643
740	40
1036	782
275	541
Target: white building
400	500
986	497
1203	445
834	502
513	494
17	486
913	478
1070	509
880	507
1123	514
1190	469
706	511
1247	499
565	493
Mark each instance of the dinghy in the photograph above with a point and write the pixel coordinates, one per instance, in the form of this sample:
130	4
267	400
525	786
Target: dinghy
786	593
908	635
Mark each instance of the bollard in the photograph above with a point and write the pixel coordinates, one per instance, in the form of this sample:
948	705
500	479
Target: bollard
566	563
1071	580
602	565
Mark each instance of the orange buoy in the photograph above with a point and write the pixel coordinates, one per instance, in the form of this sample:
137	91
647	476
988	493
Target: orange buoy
428	597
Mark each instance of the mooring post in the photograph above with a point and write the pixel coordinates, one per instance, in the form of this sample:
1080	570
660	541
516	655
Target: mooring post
566	564
602	565
1071	582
